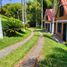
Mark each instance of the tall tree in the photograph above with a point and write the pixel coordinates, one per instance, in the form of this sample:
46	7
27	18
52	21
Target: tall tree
34	13
23	2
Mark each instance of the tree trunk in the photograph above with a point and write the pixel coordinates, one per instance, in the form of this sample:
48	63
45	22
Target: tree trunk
22	3
42	14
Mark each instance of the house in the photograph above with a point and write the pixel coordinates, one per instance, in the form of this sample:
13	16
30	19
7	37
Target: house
56	20
60	26
48	19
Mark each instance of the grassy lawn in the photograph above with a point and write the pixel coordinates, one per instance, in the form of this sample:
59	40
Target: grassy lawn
54	53
7	41
19	53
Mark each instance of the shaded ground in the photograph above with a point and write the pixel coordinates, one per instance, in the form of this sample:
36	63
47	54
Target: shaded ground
32	57
9	49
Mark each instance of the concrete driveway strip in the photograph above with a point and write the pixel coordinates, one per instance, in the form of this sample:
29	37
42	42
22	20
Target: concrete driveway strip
9	49
31	58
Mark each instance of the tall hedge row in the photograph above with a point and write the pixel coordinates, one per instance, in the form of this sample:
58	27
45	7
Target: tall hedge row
11	26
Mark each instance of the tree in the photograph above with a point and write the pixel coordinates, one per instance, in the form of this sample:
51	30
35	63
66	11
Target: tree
33	13
33	10
12	10
24	7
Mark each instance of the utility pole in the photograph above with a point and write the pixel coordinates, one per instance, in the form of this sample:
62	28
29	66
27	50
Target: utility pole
1	32
41	14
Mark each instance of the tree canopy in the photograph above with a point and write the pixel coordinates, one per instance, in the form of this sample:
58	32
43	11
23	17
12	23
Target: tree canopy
12	10
33	10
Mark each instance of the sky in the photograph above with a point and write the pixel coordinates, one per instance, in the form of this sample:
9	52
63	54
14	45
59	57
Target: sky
8	1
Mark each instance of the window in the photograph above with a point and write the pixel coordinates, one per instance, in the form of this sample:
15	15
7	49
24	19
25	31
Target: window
59	27
61	12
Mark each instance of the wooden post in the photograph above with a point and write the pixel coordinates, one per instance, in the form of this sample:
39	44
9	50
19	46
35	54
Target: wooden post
56	27
1	32
62	31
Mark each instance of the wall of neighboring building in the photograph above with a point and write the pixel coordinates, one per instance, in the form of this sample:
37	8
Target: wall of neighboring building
61	17
63	33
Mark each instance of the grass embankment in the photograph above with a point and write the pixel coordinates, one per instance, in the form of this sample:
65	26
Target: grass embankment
54	53
19	53
7	41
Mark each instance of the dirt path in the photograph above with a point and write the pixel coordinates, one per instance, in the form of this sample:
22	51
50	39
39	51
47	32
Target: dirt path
9	49
31	58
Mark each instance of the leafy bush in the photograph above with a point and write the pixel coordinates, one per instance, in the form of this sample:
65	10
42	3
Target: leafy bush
11	26
27	25
65	43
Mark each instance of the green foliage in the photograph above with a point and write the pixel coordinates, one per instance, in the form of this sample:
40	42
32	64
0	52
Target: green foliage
33	13
11	26
27	25
54	53
15	10
48	4
65	43
12	10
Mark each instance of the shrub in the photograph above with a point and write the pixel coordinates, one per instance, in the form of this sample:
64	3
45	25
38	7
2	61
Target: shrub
27	25
11	26
65	43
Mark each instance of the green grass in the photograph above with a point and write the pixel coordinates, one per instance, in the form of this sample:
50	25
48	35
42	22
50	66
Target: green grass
54	53
19	53
7	41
